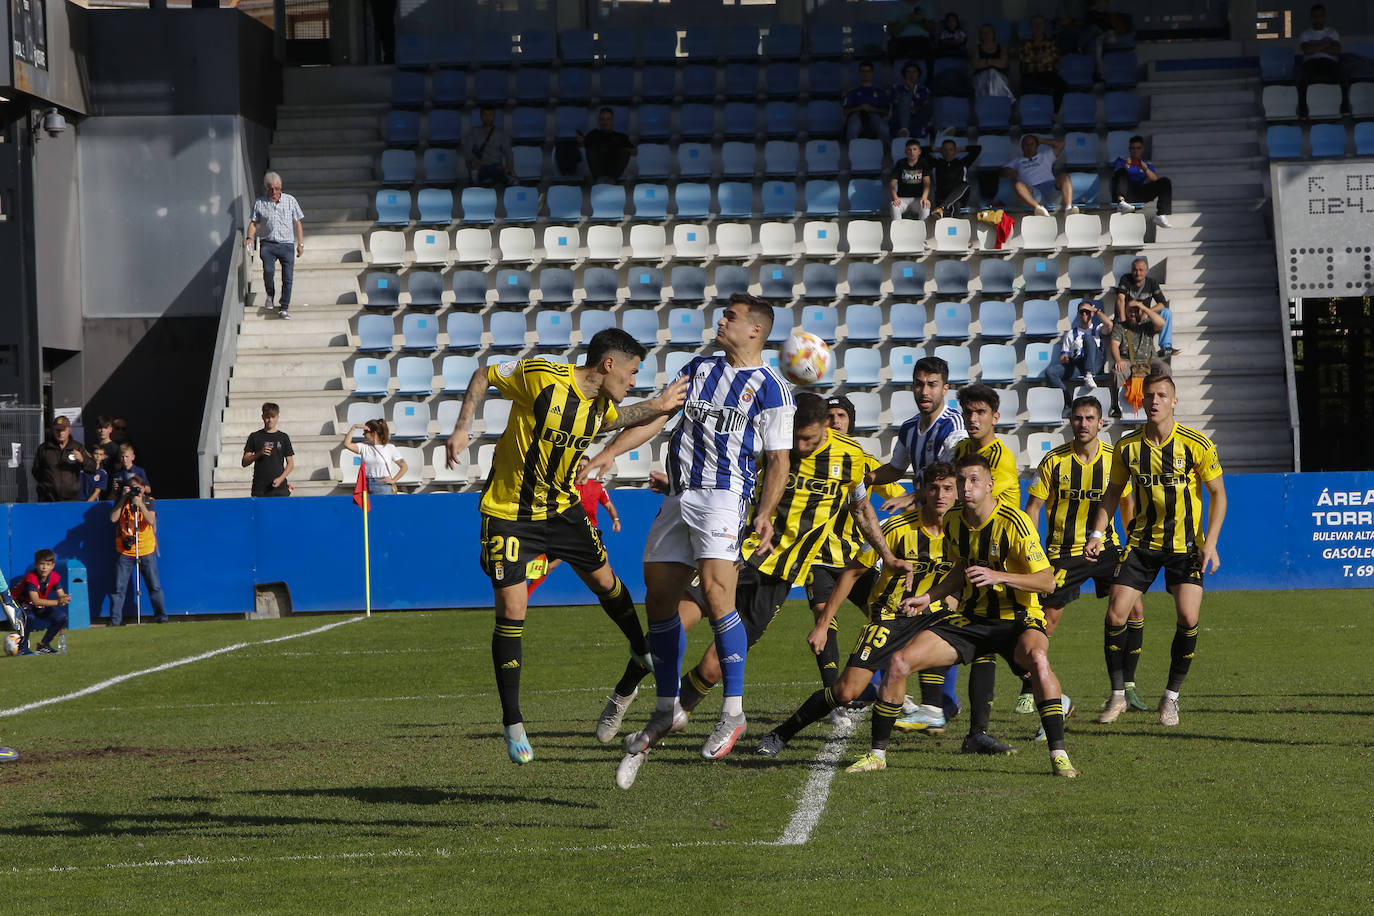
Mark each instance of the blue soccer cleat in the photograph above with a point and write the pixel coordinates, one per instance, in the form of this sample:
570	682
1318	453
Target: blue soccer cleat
518	745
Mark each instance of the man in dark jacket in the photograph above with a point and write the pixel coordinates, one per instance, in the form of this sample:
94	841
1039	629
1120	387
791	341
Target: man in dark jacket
58	464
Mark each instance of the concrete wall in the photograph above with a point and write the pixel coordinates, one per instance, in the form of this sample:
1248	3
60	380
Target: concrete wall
57	234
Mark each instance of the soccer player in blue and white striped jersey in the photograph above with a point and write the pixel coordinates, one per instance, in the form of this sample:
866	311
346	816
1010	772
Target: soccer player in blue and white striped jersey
736	408
929	436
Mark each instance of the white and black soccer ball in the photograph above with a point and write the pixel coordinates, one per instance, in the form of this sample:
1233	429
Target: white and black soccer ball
804	358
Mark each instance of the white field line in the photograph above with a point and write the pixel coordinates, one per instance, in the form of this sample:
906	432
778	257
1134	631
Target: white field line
812	803
119	679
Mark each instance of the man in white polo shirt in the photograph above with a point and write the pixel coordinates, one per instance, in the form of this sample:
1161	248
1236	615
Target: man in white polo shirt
276	221
1033	172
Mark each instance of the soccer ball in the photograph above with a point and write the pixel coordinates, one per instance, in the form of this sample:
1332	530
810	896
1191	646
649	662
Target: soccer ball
804	358
12	643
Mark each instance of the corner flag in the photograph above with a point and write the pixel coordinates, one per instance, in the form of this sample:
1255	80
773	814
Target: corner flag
360	498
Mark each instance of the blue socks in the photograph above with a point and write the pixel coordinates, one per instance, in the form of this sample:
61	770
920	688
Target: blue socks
732	645
667	644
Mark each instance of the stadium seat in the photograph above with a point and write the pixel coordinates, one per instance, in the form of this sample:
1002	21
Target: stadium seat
690	241
1119	70
464	330
401	128
472	246
604	243
996	319
698	83
996	363
730	279
358	413
397	167
867	408
996	276
865	157
777	240
652	123
1036	112
479	205
1361	97
415	375
645	284
1276	62
783	42
435	206
951	112
951	278
431	246
686	327
688	283
952	235
658	84
736	158
1121	265
1082	150
780	157
443	474
865	197
521	204
692	200
409	421
741	82
863	238
741	42
1079	111
826	40
863	323
1364	138
902	361
1087	189
608	202
776	281
507	330
516	244
1082	230
371	377
1077	71
784	320
531	88
959	360
821	320
493	49
822	158
909	279
952	320
513	287
469	287
734	241
564	203
1009	408
1284	141
375	333
1038	445
386	247
654	161
993	114
382	289
425	288
528	125
861	366
819	239
1102	394
902	403
393	208
1085	273
674	360
1127	230
641	324
450	89
736	199
1044	407
779	199
1040	275
441	166
495	416
996	152
457	373
1038	360
819	281
1039	233
529	163
592	321
1122	108
561	243
552	330
782	80
908	236
647	243
651	201
1323	101
349	462
1118	144
445	127
740	120
657	45
822	198
600	285
420	332
908	321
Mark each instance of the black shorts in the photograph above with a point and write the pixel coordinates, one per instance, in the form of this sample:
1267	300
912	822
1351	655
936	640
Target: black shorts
1071	572
511	551
1139	567
820	585
758	598
972	636
880	640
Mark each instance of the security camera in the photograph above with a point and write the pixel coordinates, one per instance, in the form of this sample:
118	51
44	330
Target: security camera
53	122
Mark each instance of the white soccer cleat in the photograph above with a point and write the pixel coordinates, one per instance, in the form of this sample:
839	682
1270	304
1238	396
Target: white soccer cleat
1168	711
728	730
909	706
660	723
629	768
608	726
1115	707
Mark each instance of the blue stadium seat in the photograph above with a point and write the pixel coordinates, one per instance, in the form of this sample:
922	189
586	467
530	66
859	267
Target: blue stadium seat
658	45
865	280
996	152
469	287
741	82
902	361
779	199
565	204
776	281
780	119
908	321
658	84
552	330
1119	69
393	208
736	158
1328	139
1037	361
646	284
1085	273
736	199
1036	111
868	39
642	325
825	79
698	82
513	287
698	121
555	286
1079	111
494	49
909	279
1364	138
412	50
577	46
783	322
651	201
446	127
600	285
863	323
996	363
490	87
1087	189
996	276
617	85
590	322
456	372
694	159
435	205
618	46
951	278
951	77
688	283
861	366
529	163
441	166
569	120
997	319
782	80
1043	407
1077	71
826	40
686	326
692	200
821	320
398	167
464	330
538	46
450	88
529	125
655	160
452	49
371	377
959	360
1040	275
507	330
865	156
993	113
375	333
819	281
479	205
741	120
426	288
952	319
421	332
1123	109
1277	62
1118	144
783	42
401	128
1285	141
382	288
415	375
730	279
822	158
824	119
780	157
1081	150
521	204
653	122
741	42
951	112
573	86
865	197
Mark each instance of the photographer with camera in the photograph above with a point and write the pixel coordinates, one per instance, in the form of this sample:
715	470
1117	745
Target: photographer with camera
59	463
135	521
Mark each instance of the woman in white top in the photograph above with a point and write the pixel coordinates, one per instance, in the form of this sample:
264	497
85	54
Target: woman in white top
382	461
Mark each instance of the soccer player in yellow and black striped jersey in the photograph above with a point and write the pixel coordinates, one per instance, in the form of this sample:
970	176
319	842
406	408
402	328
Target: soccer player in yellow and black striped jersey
1000	568
825	481
916	536
1167	464
1069	485
530	508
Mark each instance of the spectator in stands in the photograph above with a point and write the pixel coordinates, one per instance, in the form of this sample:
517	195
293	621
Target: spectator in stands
608	150
1081	350
135	518
951	176
1321	55
125	470
909	34
487	151
1134	181
1138	287
59	463
269	451
41	602
104	433
119	434
912	105
867	107
383	465
989	60
96	484
910	183
951	40
1040	63
281	220
1133	349
1033	172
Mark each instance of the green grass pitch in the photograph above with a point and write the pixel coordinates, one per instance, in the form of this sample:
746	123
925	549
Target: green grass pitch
361	769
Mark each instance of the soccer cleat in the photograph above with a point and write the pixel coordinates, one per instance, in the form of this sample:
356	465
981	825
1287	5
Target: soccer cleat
1133	699
1068	711
728	730
629	768
909	706
660	723
983	743
45	649
1025	704
867	764
928	720
7	754
609	724
517	744
1060	766
770	745
1168	711
1112	711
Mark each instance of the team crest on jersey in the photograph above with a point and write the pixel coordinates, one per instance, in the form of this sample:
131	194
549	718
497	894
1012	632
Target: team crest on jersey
500	570
834	470
747	396
507	369
1178	462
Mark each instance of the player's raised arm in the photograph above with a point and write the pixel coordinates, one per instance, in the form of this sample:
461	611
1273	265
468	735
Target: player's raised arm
867	521
774	485
472	399
664	404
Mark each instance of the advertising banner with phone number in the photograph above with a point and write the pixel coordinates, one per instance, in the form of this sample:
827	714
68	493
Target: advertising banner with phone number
1330	522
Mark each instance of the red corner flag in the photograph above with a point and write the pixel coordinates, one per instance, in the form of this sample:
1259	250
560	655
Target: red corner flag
360	488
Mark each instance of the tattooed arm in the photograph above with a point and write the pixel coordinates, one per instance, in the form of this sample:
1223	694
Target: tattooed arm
476	394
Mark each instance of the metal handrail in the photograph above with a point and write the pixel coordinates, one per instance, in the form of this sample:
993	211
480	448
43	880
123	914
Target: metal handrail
221	368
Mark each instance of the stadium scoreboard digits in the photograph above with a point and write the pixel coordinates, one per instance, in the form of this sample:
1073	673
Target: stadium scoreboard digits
1322	215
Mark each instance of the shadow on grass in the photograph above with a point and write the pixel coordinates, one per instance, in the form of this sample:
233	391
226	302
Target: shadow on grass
1171	734
414	795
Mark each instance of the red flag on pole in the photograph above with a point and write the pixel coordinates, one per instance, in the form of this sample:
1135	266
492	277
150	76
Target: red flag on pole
360	488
